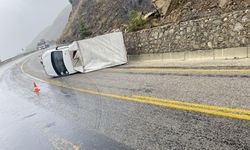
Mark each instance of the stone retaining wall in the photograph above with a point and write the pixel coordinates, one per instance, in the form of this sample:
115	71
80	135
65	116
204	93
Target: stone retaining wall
217	32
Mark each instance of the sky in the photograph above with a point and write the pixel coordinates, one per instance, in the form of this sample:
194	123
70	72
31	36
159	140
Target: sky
22	20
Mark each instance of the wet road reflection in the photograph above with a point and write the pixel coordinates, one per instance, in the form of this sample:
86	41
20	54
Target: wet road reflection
60	118
27	121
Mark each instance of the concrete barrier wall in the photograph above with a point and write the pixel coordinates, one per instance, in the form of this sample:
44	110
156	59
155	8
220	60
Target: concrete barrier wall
228	53
216	32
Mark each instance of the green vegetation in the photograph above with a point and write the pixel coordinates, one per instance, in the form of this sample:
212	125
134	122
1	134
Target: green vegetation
135	21
83	30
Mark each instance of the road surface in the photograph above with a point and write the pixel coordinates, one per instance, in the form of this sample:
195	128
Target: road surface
124	108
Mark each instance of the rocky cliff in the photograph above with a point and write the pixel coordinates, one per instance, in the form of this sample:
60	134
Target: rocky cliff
183	10
102	16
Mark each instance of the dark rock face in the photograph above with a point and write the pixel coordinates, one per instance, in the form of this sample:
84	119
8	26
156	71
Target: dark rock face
101	16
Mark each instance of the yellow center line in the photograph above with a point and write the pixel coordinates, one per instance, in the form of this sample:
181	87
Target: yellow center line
202	108
164	104
219	108
186	70
60	143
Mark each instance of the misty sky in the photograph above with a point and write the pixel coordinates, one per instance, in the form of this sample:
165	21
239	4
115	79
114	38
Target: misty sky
22	20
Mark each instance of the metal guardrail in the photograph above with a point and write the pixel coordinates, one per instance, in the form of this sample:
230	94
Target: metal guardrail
27	53
16	57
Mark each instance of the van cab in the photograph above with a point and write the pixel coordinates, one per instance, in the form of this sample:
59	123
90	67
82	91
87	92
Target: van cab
57	62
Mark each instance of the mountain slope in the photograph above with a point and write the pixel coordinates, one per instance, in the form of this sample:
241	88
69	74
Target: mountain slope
102	16
52	32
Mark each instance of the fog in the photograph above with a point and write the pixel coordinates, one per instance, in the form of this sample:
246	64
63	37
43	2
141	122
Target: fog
22	20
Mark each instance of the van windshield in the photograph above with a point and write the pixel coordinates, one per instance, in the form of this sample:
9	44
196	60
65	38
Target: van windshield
58	63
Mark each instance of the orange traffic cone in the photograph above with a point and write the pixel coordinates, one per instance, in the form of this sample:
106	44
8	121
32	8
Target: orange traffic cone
36	89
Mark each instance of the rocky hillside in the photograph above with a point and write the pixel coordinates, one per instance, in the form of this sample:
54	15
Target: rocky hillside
182	10
102	16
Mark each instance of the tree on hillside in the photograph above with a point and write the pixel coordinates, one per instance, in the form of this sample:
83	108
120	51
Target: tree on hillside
83	30
135	21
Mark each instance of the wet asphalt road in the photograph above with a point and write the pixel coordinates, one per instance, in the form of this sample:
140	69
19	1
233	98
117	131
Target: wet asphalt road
60	118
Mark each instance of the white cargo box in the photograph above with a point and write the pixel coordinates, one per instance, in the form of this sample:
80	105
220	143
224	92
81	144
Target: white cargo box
98	52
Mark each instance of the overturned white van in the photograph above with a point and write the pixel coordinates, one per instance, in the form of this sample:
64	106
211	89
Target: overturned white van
86	55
